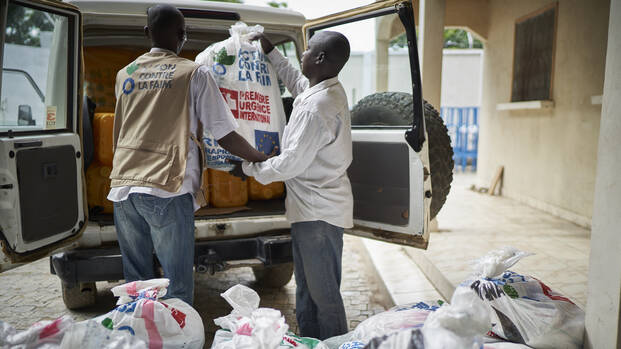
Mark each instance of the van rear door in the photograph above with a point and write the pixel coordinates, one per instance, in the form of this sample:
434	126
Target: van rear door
389	172
42	194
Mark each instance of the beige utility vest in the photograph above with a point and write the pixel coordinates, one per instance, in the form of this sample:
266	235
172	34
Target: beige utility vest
152	123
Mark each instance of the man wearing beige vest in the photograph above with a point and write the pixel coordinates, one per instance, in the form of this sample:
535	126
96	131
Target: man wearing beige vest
163	104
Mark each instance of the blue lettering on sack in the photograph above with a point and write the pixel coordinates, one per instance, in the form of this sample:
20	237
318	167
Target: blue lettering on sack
217	156
219	69
128	329
508	277
253	67
127	308
420	305
210	142
127	90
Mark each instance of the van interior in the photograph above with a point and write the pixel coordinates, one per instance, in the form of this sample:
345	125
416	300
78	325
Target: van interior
107	51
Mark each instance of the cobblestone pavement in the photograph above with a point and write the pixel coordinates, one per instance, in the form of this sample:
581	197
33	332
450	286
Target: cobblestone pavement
30	293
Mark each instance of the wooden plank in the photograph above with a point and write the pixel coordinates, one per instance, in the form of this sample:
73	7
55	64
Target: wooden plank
496	180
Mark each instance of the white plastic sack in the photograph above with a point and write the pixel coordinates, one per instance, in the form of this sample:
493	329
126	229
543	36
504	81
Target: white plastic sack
398	318
408	339
461	324
250	86
429	325
523	309
505	345
46	334
169	323
91	334
248	326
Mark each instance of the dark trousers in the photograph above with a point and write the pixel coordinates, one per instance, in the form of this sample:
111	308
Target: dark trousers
317	252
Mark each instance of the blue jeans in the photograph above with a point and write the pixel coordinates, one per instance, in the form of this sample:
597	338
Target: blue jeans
317	252
147	223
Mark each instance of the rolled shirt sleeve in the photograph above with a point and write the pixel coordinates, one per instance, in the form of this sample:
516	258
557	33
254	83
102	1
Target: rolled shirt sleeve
211	107
306	136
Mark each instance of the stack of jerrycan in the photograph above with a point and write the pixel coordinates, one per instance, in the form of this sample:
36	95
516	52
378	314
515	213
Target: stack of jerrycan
98	173
100	67
258	191
226	190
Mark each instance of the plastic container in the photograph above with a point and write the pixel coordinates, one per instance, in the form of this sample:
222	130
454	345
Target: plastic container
226	190
98	186
100	67
103	124
258	191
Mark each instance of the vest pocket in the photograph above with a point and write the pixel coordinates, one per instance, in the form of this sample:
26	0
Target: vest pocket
144	162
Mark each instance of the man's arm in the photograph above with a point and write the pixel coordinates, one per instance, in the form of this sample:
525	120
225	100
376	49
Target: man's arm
238	146
308	137
292	78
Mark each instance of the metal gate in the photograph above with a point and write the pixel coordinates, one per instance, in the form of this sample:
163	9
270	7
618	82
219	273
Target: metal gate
463	127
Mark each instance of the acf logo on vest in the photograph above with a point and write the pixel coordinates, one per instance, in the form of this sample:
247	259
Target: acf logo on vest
152	77
129	84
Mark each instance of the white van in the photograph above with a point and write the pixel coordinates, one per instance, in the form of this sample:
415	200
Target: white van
402	157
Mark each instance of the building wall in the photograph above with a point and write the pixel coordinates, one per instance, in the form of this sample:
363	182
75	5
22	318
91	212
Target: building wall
549	156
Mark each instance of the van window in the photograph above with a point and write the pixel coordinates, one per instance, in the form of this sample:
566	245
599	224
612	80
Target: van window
35	77
378	62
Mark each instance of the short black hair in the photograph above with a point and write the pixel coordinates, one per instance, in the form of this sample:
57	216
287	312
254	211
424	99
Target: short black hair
336	47
163	17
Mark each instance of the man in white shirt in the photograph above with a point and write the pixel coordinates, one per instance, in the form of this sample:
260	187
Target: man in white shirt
316	152
155	121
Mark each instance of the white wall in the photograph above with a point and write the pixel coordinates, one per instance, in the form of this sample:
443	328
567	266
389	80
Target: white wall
461	77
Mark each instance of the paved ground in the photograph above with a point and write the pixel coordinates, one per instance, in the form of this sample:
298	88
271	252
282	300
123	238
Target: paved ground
30	293
471	224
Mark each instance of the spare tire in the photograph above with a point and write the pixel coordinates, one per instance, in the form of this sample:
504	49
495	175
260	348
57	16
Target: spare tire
395	109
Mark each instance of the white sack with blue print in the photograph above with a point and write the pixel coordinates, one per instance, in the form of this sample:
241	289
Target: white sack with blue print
523	309
249	84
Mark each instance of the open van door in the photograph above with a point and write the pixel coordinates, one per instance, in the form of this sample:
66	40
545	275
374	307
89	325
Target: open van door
42	193
389	173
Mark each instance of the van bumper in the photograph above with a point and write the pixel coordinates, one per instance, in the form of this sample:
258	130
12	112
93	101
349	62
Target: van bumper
105	264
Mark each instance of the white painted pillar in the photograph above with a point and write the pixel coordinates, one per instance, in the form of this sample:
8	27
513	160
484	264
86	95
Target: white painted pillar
604	289
431	41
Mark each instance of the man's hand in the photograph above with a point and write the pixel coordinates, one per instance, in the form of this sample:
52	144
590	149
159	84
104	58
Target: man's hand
273	153
238	146
237	170
265	43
